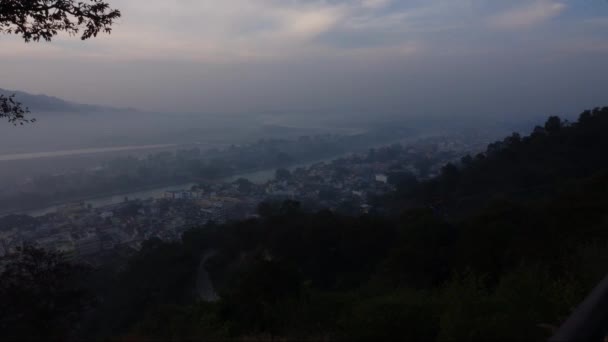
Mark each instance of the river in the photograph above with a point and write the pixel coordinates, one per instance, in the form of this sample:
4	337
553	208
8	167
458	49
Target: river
258	177
84	151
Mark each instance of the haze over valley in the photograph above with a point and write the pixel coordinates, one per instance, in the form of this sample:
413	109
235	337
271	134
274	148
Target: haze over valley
303	170
68	138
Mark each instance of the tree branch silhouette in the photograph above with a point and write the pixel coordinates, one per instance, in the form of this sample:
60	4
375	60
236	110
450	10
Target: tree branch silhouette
13	111
44	19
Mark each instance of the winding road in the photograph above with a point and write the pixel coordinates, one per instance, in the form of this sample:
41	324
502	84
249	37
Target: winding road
204	286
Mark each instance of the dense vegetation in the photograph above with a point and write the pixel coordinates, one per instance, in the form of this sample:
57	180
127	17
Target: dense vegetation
501	246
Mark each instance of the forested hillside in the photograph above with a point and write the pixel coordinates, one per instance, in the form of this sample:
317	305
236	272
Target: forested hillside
501	246
518	168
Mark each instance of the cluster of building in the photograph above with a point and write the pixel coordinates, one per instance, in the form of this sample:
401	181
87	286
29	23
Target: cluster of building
82	232
348	184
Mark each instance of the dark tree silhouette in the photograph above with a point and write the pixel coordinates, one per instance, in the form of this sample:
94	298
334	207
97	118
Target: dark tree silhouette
13	110
41	295
44	19
553	125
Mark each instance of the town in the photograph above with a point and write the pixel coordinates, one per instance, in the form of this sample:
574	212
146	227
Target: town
347	185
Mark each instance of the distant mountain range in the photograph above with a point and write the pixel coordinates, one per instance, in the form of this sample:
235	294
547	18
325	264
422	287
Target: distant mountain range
45	103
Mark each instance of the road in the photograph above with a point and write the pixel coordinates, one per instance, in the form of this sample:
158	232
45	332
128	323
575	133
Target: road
204	286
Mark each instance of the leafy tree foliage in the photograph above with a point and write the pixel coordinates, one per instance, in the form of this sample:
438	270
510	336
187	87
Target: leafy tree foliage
13	111
518	168
161	275
42	295
44	19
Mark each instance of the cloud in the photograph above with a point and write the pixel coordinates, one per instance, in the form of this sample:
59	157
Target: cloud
203	52
526	16
223	31
310	23
375	3
243	31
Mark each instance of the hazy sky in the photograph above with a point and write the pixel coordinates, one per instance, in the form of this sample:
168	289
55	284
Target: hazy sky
507	57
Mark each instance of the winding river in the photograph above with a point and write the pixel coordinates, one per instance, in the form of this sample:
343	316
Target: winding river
258	177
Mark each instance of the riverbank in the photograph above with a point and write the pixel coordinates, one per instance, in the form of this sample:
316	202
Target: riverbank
156	191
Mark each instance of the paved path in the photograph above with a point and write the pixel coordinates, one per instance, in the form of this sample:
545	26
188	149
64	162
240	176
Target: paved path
204	286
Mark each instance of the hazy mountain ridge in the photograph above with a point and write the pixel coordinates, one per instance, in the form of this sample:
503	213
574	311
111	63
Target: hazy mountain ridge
45	103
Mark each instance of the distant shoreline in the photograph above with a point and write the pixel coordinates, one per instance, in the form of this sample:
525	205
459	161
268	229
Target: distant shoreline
67	153
158	186
84	199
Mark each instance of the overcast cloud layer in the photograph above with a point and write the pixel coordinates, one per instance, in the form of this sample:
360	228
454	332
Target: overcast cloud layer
409	56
